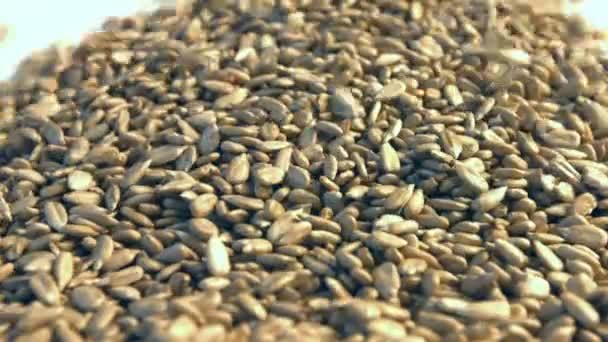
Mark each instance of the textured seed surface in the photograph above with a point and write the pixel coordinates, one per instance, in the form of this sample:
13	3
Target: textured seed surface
309	171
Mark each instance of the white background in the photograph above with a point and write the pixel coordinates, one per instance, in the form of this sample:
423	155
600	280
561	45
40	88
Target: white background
35	24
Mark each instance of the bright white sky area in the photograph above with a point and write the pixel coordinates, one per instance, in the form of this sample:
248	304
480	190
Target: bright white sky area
35	24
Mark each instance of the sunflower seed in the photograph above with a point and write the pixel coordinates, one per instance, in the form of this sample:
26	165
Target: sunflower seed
218	261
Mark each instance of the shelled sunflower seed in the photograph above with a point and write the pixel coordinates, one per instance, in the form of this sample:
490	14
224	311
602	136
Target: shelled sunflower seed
309	171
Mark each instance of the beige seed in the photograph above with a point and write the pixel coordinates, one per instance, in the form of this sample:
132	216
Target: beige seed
252	306
102	252
391	90
101	319
83	198
275	282
37	317
344	104
390	158
5	210
387	280
203	205
182	327
399	198
393	131
584	204
112	197
165	154
30	175
415	205
471	179
65	333
63	269
35	261
175	253
119	259
586	235
55	215
383	239
136	217
298	177
87	298
134	174
234	98
237	171
510	253
452	93
283	159
533	287
387	328
269	175
45	288
202	228
387	59
286	232
243	202
580	309
124	277
218	260
547	256
80	180
482	310
211	332
489	200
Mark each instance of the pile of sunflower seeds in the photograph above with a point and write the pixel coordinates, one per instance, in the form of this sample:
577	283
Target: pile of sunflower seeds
309	170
